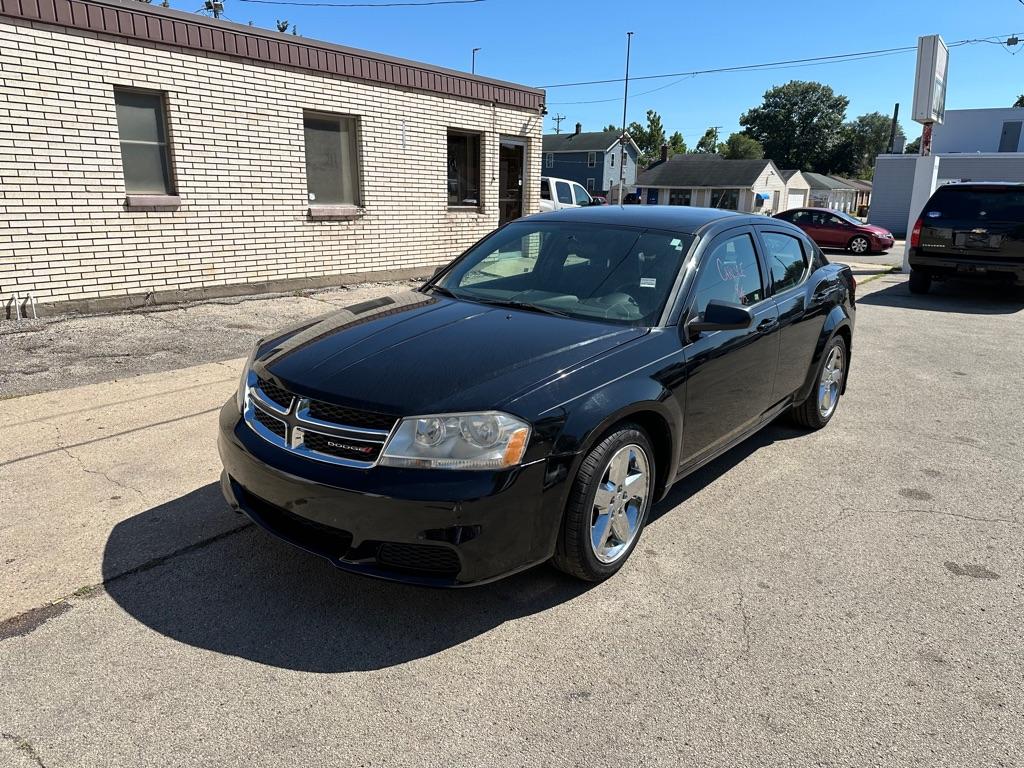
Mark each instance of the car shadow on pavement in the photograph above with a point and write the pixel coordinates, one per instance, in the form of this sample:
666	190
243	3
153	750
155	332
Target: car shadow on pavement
960	296
247	594
244	593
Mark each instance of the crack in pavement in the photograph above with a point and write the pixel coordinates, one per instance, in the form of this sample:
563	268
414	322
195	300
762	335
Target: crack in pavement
847	512
61	445
25	747
30	620
746	621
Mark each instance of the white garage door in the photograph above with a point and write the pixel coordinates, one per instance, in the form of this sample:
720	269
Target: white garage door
794	200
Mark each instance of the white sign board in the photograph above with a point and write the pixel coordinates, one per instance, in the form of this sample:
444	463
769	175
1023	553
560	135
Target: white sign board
930	80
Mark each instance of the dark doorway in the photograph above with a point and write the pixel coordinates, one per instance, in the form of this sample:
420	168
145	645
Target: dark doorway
511	162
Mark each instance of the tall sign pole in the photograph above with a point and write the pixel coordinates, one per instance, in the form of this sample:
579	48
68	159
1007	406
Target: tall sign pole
622	138
929	109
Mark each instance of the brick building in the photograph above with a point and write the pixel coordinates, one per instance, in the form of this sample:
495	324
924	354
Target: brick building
148	154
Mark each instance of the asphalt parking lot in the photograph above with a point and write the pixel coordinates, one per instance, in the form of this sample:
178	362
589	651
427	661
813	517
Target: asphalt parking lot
851	597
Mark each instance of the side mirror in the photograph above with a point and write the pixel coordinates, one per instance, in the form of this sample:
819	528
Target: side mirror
720	316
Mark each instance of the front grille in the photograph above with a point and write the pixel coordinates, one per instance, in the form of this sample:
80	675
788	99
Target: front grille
335	434
421	558
351	417
342	447
279	395
273	424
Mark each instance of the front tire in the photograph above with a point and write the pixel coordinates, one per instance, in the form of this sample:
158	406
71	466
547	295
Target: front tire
608	506
817	410
859	245
920	281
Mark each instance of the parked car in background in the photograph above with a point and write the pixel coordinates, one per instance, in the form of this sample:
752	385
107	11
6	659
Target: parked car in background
835	229
631	198
599	200
536	398
969	230
556	194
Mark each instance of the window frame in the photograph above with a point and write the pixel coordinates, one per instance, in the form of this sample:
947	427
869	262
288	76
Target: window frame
591	159
449	131
167	146
689	195
681	311
590	186
549	160
357	175
805	249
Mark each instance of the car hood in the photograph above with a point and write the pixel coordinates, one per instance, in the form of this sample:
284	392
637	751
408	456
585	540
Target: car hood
415	353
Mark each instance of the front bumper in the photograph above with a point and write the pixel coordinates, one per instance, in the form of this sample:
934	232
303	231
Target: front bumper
966	267
432	527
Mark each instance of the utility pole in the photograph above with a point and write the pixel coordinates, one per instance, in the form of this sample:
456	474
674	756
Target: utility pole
473	70
216	7
892	128
622	138
558	123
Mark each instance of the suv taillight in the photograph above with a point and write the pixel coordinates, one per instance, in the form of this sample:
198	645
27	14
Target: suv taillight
915	234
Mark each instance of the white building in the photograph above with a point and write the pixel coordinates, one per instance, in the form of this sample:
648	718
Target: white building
971	144
148	154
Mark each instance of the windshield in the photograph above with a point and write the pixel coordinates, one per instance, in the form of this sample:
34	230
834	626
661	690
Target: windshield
587	271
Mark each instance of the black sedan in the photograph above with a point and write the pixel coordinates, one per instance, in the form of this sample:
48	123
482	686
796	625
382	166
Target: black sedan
536	397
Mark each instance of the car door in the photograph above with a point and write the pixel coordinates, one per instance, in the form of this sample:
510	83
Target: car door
837	231
581	195
730	374
802	307
564	195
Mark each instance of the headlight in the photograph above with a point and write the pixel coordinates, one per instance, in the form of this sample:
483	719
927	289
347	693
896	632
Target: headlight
488	440
243	383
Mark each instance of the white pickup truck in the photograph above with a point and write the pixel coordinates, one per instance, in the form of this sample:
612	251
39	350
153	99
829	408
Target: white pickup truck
556	194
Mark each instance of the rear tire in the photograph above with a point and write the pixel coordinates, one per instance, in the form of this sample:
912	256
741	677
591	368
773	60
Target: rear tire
599	533
818	409
920	282
859	245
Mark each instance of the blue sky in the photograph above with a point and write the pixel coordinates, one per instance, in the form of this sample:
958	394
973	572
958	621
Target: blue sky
540	43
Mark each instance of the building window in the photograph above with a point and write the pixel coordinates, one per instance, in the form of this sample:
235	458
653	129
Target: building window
332	170
142	129
680	197
591	159
549	160
463	169
612	156
729	199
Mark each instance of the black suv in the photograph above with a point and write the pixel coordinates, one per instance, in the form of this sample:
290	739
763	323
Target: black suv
969	230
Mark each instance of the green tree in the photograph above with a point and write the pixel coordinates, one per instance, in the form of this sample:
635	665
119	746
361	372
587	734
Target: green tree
648	138
739	146
798	124
1019	102
913	147
611	127
708	143
676	144
859	142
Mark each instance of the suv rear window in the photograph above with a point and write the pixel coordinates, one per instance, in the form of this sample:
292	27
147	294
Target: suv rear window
976	203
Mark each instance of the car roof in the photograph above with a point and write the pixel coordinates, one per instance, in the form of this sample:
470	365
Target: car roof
979	183
674	218
818	210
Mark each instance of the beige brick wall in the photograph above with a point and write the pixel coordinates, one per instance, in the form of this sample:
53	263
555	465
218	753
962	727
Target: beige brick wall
237	144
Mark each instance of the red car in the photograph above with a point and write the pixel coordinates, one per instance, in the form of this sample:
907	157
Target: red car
835	229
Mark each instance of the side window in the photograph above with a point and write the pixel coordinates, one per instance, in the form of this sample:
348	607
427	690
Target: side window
463	169
563	192
591	159
332	171
835	221
729	272
786	259
142	130
545	190
582	198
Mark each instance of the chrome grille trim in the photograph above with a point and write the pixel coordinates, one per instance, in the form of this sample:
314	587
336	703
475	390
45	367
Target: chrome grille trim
298	423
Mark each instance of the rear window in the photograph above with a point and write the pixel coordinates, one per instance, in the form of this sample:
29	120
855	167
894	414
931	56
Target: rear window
976	203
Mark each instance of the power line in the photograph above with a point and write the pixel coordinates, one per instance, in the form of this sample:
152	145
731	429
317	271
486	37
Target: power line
835	58
365	5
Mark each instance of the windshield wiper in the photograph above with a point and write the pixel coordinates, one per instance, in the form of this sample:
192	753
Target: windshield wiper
513	304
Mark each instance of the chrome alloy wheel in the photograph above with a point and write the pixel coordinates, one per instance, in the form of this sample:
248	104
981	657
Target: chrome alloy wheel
860	245
620	503
831	382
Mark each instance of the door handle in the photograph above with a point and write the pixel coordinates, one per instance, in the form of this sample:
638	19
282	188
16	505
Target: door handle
767	324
